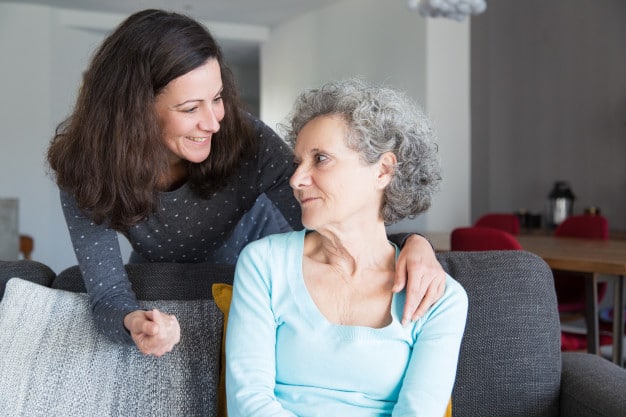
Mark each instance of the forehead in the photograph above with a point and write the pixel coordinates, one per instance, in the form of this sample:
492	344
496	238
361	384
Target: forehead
206	79
322	132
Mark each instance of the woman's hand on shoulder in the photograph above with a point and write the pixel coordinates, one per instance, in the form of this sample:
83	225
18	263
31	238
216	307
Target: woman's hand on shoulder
154	332
425	280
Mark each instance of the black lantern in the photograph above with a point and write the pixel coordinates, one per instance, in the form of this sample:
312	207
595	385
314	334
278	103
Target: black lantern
560	203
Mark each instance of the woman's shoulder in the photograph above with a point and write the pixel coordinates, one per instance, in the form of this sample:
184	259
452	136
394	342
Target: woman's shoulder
278	241
454	294
454	299
454	288
273	254
265	136
258	126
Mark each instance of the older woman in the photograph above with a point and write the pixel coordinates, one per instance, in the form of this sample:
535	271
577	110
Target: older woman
314	326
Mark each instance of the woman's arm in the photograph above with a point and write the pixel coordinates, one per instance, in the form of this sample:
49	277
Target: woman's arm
100	260
117	313
251	338
431	372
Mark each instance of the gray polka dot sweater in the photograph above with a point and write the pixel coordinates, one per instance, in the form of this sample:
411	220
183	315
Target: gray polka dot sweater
255	202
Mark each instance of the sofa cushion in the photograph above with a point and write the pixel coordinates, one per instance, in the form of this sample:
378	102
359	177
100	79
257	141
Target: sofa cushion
585	379
54	362
509	363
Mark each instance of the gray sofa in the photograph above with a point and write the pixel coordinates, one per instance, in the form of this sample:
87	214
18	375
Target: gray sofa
53	362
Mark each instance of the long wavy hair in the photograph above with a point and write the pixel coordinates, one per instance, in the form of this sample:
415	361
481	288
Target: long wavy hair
379	120
110	153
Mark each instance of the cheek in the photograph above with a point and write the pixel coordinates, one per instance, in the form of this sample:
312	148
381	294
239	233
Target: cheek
171	140
172	126
220	111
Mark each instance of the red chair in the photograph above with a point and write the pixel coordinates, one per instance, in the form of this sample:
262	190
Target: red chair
482	239
585	225
578	342
570	286
502	221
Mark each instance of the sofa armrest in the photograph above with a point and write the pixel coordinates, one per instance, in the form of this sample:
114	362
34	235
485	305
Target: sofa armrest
591	386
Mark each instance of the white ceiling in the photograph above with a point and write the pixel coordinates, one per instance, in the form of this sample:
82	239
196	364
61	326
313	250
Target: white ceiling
253	12
265	13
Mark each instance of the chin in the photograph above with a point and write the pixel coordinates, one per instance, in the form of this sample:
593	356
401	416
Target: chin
308	224
197	158
312	224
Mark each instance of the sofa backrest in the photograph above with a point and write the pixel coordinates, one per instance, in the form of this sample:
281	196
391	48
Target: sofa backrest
33	270
160	281
510	359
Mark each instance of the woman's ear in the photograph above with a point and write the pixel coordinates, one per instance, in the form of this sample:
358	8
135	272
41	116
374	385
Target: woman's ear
387	166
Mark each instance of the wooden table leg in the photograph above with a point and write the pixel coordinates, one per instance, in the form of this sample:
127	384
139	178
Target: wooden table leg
618	320
591	314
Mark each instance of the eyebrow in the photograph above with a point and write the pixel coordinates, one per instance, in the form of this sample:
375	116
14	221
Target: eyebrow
310	151
176	106
184	103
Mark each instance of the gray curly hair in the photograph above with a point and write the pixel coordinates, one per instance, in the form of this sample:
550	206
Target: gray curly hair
379	120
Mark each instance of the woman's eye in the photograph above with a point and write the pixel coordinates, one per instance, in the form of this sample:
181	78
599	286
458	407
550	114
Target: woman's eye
320	158
190	110
217	99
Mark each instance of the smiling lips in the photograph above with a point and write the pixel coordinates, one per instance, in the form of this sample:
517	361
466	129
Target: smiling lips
198	140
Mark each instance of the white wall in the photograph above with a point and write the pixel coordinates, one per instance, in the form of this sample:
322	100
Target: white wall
383	42
448	92
42	66
39	76
25	117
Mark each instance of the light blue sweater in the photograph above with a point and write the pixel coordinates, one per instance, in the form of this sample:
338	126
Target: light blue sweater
284	358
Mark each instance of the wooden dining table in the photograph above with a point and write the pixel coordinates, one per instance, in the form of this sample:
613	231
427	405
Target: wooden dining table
595	257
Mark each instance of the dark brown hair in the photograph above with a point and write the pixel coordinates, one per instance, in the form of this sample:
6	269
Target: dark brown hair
109	153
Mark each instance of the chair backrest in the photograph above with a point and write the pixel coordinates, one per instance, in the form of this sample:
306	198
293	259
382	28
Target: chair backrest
482	239
584	226
510	359
502	221
27	244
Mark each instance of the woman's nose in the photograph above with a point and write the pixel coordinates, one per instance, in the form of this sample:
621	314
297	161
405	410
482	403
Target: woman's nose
209	121
300	178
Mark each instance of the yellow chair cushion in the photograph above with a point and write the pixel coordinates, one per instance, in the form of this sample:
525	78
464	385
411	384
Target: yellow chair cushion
449	409
222	294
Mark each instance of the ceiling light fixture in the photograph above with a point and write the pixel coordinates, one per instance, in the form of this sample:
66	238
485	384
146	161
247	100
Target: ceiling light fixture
453	9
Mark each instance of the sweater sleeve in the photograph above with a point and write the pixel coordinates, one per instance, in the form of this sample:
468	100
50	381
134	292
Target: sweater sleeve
250	339
431	371
274	168
100	260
